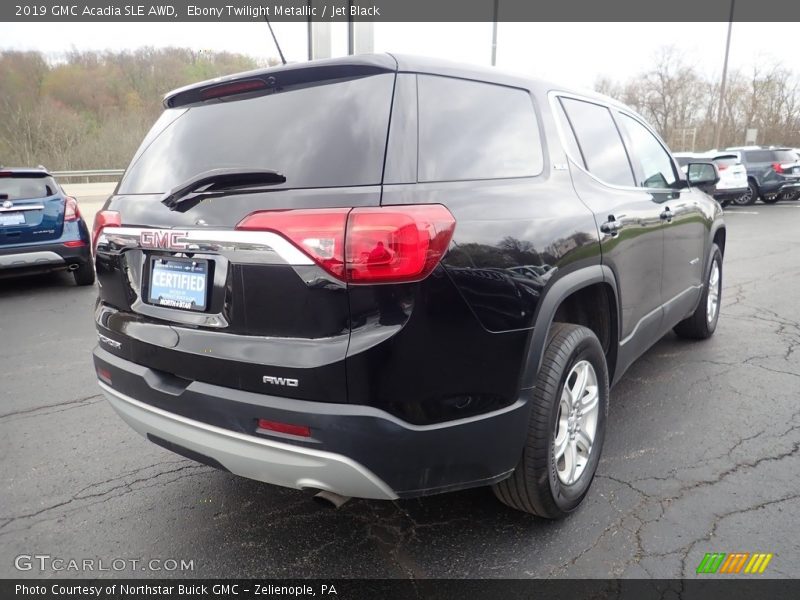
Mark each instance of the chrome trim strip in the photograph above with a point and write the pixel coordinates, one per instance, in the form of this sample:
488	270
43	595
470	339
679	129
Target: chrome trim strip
254	457
209	240
17	208
554	95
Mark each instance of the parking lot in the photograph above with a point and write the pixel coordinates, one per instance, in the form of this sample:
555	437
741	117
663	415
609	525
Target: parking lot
701	455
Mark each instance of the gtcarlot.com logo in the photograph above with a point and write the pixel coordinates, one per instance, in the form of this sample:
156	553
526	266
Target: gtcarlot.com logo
734	563
46	562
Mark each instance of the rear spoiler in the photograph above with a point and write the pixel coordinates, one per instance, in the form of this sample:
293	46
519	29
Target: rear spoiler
279	78
25	173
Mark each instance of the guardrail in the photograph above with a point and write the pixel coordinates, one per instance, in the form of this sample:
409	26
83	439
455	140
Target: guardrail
88	174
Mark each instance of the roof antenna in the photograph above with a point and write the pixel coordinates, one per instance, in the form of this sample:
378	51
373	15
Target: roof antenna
274	39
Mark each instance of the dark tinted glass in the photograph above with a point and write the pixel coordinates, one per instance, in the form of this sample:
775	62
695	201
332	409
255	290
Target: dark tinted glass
320	136
600	142
22	188
655	162
471	130
758	156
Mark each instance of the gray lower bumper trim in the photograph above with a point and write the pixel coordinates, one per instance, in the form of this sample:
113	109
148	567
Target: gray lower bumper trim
252	457
30	259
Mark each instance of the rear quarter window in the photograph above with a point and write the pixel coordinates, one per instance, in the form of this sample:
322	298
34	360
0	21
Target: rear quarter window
758	156
475	130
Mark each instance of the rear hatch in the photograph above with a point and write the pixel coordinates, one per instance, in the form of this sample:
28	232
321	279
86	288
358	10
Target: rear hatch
31	207
732	173
786	163
186	293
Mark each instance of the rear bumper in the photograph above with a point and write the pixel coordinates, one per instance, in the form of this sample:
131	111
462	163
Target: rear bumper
781	187
729	193
256	458
44	257
353	450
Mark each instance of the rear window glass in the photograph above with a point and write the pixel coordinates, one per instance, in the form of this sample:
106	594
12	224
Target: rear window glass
726	161
785	156
471	130
329	135
24	188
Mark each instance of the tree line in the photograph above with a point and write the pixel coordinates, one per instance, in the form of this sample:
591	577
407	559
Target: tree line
90	110
682	104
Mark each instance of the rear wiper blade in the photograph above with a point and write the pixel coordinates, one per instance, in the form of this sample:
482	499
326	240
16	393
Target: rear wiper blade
219	182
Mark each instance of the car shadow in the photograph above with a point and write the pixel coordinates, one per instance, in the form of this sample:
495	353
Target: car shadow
39	283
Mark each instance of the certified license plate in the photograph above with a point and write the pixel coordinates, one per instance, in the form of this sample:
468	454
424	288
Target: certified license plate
14	218
178	283
796	171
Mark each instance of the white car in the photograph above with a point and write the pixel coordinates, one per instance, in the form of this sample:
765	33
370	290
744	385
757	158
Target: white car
732	173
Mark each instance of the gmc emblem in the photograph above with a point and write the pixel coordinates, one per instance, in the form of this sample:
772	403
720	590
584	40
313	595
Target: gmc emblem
162	238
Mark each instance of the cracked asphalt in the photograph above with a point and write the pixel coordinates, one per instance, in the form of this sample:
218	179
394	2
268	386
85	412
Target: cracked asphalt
701	455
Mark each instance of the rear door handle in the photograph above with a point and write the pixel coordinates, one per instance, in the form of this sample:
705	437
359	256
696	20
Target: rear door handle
666	215
611	226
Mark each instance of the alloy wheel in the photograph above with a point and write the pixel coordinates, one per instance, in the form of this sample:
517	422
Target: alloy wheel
576	424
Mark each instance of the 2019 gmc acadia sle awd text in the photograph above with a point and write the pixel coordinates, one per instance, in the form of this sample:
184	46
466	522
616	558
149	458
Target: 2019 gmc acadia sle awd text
385	277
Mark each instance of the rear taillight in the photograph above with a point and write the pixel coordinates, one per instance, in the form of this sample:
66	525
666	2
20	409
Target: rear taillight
722	167
71	212
777	167
388	244
104	218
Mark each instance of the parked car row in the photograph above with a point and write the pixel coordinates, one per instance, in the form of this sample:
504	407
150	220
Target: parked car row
751	173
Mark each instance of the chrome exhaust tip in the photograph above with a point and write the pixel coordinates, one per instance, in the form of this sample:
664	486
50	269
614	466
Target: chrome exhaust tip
330	499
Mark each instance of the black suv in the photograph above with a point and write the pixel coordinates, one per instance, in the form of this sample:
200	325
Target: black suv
388	277
772	174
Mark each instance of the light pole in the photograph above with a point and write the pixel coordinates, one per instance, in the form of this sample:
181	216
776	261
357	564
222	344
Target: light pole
718	126
494	33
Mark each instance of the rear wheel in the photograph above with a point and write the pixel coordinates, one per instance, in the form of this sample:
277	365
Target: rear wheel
703	322
84	275
770	199
566	427
750	196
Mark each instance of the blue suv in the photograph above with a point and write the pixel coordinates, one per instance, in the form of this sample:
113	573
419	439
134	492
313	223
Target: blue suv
41	228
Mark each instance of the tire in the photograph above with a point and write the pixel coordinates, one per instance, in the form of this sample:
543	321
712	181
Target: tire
771	200
84	275
537	485
700	325
750	196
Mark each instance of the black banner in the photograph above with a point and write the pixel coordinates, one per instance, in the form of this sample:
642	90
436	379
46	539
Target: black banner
400	10
735	588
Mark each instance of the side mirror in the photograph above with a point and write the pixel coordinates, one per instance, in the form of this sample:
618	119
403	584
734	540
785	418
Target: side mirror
702	174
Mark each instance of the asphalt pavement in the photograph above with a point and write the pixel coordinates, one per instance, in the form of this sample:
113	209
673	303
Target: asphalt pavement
701	455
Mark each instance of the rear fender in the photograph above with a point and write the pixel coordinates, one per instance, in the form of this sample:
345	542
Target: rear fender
554	296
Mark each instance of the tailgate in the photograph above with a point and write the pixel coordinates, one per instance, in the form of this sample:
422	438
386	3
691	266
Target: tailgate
184	292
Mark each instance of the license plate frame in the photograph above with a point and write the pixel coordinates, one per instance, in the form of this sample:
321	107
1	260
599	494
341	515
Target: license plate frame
178	293
6	219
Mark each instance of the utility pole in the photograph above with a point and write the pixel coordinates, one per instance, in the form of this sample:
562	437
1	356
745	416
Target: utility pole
494	32
718	126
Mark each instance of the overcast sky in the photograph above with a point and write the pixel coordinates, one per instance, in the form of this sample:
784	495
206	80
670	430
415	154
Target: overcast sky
575	54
